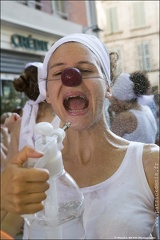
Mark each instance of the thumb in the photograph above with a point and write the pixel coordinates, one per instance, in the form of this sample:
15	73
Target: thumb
24	154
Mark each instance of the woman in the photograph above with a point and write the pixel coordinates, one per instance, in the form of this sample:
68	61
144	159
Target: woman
35	110
132	121
118	190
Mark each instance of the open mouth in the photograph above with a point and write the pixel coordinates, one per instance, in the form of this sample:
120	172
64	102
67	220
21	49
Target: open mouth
76	103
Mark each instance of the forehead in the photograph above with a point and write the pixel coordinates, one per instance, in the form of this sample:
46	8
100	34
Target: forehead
74	51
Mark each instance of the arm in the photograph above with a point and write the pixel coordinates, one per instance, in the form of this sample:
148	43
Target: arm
12	224
5	136
14	141
4	151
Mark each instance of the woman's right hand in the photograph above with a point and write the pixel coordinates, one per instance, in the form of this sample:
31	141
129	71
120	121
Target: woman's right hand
23	189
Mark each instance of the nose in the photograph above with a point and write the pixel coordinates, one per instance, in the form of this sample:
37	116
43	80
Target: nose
71	77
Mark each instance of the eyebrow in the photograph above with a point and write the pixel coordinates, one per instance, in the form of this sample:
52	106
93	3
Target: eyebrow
62	64
86	62
56	65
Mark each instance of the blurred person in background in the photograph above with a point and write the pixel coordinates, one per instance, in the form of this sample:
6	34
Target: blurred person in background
35	110
7	124
132	121
148	98
4	142
156	99
5	135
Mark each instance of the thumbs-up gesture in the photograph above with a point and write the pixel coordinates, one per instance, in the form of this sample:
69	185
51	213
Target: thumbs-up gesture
23	189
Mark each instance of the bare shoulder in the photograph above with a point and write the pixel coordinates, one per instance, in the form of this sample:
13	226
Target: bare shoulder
151	163
151	153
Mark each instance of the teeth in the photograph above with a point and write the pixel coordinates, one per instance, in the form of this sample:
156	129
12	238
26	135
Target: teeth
75	110
70	108
74	97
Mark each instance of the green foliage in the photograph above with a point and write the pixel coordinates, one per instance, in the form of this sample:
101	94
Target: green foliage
11	99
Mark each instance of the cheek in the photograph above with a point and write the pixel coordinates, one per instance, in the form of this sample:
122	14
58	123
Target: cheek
100	89
50	93
98	95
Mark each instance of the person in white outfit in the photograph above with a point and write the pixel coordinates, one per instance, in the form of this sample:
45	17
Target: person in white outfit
116	176
132	121
36	110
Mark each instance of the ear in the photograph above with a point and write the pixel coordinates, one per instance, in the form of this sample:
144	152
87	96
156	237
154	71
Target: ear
47	97
108	93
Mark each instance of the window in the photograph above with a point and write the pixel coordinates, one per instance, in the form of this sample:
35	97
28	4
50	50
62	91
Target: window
59	8
144	56
138	14
32	3
112	21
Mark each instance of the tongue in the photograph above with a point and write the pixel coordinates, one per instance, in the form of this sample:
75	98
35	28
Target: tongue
76	104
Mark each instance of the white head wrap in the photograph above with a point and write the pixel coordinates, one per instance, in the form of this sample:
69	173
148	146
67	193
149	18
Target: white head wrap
30	110
90	41
123	88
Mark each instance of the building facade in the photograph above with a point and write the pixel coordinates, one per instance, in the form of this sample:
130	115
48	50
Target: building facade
131	28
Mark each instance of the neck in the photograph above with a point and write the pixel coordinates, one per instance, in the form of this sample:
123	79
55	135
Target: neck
44	113
83	146
88	155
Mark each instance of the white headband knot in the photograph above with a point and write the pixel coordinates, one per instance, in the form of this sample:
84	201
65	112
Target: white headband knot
30	110
123	88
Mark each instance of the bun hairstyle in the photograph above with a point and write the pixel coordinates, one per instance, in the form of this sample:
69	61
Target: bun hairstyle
141	83
27	82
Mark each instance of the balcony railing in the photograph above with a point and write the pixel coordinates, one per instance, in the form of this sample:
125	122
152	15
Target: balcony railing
31	3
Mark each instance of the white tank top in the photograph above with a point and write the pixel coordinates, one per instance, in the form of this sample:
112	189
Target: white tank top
123	205
146	130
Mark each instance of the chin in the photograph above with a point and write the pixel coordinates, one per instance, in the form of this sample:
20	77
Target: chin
78	123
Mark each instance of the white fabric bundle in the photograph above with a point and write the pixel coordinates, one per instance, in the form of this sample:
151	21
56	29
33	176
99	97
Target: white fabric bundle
30	110
123	88
90	41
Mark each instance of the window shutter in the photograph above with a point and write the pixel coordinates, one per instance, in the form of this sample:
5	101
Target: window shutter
114	21
138	14
144	56
147	62
60	8
108	21
31	3
14	63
